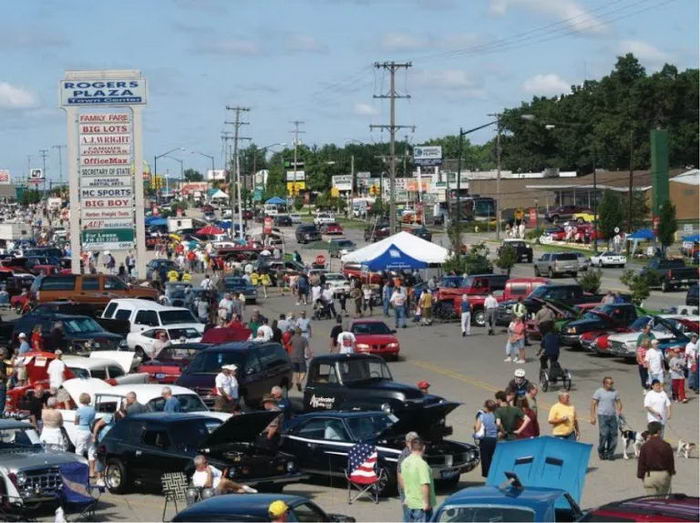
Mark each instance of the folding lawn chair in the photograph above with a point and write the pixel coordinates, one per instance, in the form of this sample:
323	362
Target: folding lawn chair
78	496
363	474
174	486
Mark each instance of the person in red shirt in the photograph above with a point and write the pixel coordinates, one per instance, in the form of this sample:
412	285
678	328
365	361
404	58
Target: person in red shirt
287	340
532	430
37	339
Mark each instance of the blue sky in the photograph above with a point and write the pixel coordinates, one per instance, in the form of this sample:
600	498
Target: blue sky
311	60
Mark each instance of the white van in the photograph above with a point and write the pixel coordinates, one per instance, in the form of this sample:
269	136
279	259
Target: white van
146	314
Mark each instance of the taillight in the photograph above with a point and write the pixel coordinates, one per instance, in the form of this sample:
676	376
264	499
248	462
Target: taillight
668	274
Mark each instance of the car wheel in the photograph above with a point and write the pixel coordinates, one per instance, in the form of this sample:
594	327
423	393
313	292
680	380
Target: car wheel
537	271
550	273
139	352
622	266
480	318
574	275
529	259
115	476
666	286
387	487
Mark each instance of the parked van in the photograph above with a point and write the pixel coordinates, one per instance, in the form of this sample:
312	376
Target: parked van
146	314
94	289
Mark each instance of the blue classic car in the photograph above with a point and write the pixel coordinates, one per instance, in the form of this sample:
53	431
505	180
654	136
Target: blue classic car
538	479
253	507
239	285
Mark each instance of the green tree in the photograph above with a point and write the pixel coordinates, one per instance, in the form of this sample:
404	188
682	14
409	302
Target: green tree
668	226
507	258
298	203
590	280
610	214
192	175
639	285
476	260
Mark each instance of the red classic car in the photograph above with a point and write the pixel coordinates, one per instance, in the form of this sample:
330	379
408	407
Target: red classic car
375	337
331	228
354	271
674	507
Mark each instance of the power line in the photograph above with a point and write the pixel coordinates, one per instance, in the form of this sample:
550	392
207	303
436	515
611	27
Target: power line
237	123
392	95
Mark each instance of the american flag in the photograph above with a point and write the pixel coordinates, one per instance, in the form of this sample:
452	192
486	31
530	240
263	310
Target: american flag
362	462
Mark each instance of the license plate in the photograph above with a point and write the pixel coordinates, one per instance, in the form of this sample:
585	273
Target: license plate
160	375
447	474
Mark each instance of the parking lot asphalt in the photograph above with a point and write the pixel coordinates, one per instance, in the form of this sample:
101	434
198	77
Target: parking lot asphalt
470	370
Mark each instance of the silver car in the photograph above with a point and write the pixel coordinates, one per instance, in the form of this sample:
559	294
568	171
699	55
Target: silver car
553	264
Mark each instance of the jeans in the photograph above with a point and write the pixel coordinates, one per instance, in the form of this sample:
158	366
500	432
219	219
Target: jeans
693	378
487	447
385	306
644	376
491	319
466	321
607	436
400	315
655	376
417	514
3	398
404	510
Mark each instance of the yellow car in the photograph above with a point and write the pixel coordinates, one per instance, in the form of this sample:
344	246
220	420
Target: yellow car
582	217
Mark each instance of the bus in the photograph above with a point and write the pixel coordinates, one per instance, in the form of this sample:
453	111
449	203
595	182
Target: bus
474	208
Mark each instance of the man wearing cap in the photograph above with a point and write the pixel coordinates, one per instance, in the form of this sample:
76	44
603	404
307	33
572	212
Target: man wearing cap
269	438
23	344
405	452
278	511
56	370
226	386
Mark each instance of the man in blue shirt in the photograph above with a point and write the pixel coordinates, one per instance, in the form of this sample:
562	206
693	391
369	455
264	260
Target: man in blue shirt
550	349
23	344
171	403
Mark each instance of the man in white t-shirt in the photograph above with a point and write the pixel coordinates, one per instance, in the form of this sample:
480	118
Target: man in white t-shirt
226	386
346	342
56	370
657	404
654	361
207	476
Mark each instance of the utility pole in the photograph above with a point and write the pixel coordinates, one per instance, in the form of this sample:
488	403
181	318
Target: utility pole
44	153
498	175
629	190
392	95
296	132
236	126
60	162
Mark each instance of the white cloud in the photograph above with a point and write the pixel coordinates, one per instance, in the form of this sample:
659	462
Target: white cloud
398	41
546	85
304	44
571	12
644	52
13	97
364	109
455	82
230	46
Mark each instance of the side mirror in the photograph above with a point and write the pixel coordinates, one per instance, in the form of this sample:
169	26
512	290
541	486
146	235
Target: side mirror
393	331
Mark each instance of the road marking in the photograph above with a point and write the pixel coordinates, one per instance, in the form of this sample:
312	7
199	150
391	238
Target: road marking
454	375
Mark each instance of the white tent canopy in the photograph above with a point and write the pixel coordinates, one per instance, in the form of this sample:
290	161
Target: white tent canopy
219	195
410	244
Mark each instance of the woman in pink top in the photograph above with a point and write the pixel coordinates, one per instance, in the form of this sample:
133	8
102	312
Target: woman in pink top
641	365
516	341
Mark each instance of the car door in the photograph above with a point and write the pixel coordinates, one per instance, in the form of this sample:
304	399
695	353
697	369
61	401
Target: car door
115	287
158	454
323	388
145	319
90	289
320	444
275	364
308	511
253	382
541	262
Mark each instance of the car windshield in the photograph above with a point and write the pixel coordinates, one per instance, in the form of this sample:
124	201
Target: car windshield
177	353
364	369
188	333
211	362
452	282
485	513
369	427
344	243
640	323
80	373
189	435
13	438
334	277
81	326
565	256
188	403
371	328
540	292
177	316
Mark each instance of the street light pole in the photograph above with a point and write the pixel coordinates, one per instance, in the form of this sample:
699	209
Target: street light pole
155	159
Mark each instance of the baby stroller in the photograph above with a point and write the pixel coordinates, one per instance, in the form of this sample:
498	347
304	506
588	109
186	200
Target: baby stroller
554	374
321	311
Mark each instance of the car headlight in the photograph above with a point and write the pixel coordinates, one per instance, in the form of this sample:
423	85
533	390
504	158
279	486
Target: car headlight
123	344
386	408
362	346
392	345
291	466
21	479
631	344
571	330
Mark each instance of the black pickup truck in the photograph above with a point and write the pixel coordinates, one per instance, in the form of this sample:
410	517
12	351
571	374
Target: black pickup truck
669	274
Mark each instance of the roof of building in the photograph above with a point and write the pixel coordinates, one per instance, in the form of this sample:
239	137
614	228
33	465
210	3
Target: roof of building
613	180
691	177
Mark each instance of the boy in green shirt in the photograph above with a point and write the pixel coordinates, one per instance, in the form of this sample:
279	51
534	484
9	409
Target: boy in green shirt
417	479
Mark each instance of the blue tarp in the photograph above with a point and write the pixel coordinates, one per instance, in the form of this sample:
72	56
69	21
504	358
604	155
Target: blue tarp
276	200
692	238
156	220
393	258
543	462
642	234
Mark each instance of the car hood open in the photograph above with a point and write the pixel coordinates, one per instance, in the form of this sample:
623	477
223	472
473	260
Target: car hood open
542	462
422	418
241	428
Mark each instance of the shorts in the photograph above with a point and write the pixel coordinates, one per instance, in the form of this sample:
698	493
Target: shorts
299	366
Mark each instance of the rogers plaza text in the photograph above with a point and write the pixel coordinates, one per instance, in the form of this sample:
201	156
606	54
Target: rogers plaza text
103	88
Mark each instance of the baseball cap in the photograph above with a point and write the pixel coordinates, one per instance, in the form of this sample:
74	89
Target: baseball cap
423	384
519	373
277	508
230	367
21	335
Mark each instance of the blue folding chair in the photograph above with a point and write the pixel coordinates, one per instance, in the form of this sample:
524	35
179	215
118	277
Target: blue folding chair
78	495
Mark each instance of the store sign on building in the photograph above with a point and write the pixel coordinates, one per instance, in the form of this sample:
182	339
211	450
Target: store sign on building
427	155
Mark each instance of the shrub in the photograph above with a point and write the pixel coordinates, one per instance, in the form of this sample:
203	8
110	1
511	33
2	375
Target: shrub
590	280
